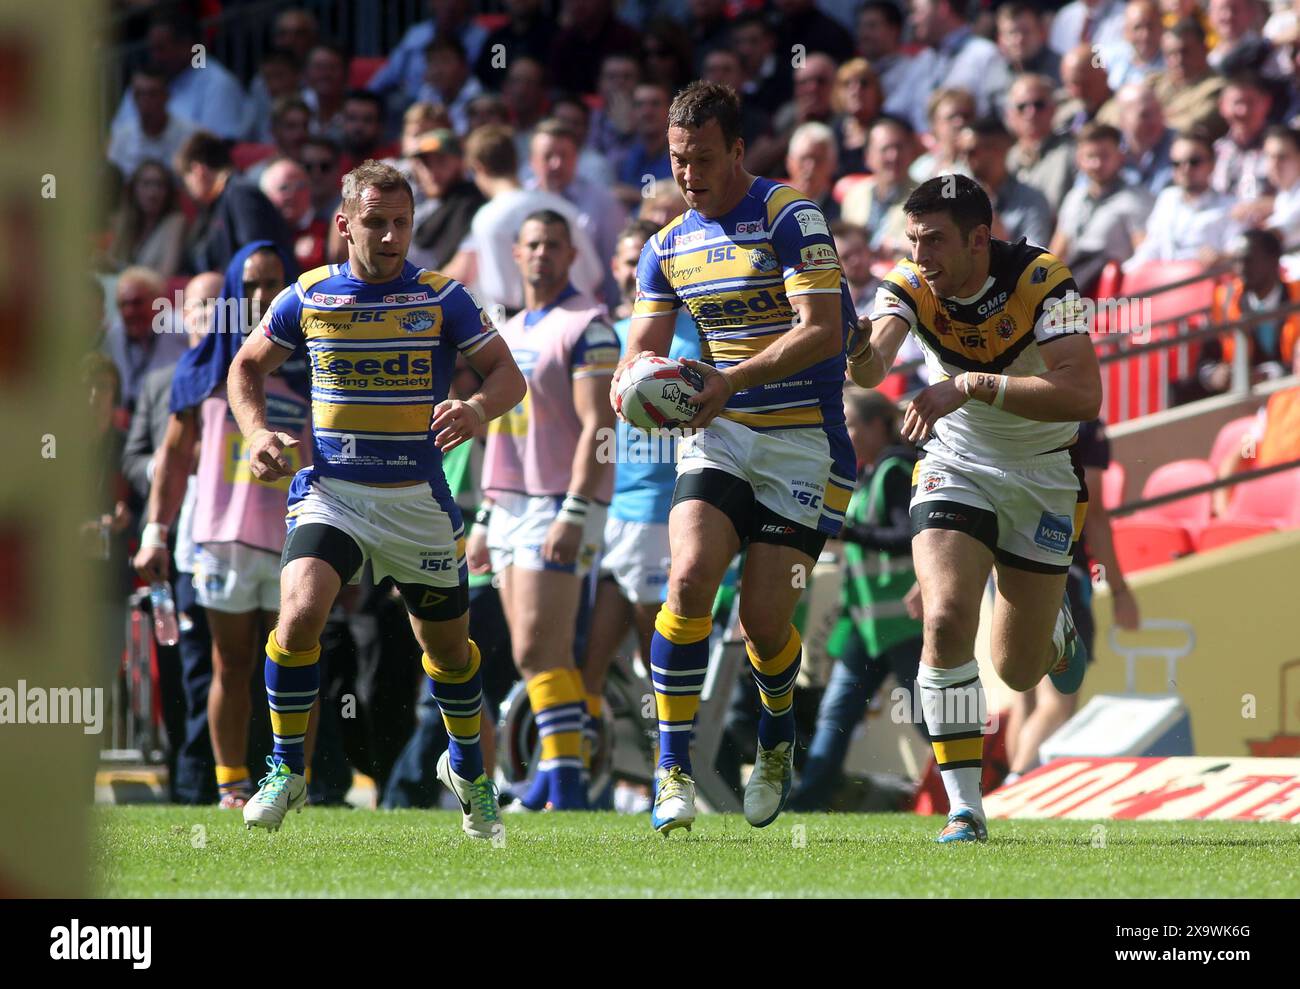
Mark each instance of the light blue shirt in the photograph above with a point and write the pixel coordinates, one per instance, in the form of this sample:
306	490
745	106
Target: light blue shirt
211	98
404	69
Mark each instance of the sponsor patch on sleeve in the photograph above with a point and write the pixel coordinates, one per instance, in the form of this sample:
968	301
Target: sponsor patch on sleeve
812	222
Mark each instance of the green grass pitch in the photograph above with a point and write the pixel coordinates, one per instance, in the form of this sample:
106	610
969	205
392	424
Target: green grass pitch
328	852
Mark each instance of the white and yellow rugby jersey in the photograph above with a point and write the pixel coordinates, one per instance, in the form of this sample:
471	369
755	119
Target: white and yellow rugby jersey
381	357
1028	301
736	275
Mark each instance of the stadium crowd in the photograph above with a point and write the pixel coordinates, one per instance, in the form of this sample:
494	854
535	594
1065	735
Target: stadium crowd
1116	134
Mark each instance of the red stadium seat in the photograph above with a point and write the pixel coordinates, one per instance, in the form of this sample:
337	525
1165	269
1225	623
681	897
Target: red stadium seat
1112	485
1142	543
1229	439
1109	283
246	154
846	182
1275	499
492	22
1192	513
1223	532
362	69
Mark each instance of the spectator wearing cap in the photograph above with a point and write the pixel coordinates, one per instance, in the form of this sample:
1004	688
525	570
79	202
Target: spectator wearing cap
420	118
1085	85
1101	218
1041	157
876	202
554	158
363	130
405	74
326	75
949	111
1257	285
1188	88
1239	168
1137	57
954	57
799	22
440	172
1190	220
880	42
154	133
285	184
1148	142
133	342
810	166
447	79
590	26
206	95
722	65
768	82
1087	22
486	259
529	33
1020	212
231	209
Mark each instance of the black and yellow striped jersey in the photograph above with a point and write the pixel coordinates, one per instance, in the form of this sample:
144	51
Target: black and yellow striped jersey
1028	301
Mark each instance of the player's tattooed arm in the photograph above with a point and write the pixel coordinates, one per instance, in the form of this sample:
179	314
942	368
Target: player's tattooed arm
872	348
1068	391
503	388
246	390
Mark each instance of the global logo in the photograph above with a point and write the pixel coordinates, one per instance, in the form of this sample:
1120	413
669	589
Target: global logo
416	322
762	261
324	299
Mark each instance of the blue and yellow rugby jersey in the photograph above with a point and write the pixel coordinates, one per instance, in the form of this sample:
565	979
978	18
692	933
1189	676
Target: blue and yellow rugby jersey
1028	301
381	358
736	275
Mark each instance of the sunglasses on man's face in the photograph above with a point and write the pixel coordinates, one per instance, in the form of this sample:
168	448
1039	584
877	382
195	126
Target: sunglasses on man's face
1188	162
1038	106
318	166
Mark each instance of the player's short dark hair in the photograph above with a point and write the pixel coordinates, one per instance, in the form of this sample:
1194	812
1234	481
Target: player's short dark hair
701	102
366	96
371	174
1188	27
445	41
887	9
1093	131
641	230
989	128
958	196
490	149
205	148
1264	240
549	217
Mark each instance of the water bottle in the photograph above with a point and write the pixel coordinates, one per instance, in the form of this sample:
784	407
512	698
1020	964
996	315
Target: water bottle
165	629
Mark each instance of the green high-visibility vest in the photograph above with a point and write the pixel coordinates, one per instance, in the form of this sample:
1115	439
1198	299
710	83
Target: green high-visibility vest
875	582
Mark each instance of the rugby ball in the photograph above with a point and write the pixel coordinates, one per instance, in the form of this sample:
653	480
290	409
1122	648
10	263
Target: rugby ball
652	391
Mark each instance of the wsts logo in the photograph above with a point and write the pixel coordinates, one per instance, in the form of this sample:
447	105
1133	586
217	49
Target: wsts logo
75	943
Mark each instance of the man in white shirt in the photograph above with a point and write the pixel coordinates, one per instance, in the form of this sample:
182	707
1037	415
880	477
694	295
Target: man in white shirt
954	57
200	89
1190	220
155	133
486	258
1093	22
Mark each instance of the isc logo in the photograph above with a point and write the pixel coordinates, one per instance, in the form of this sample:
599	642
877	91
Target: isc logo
808	498
716	254
366	315
436	565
